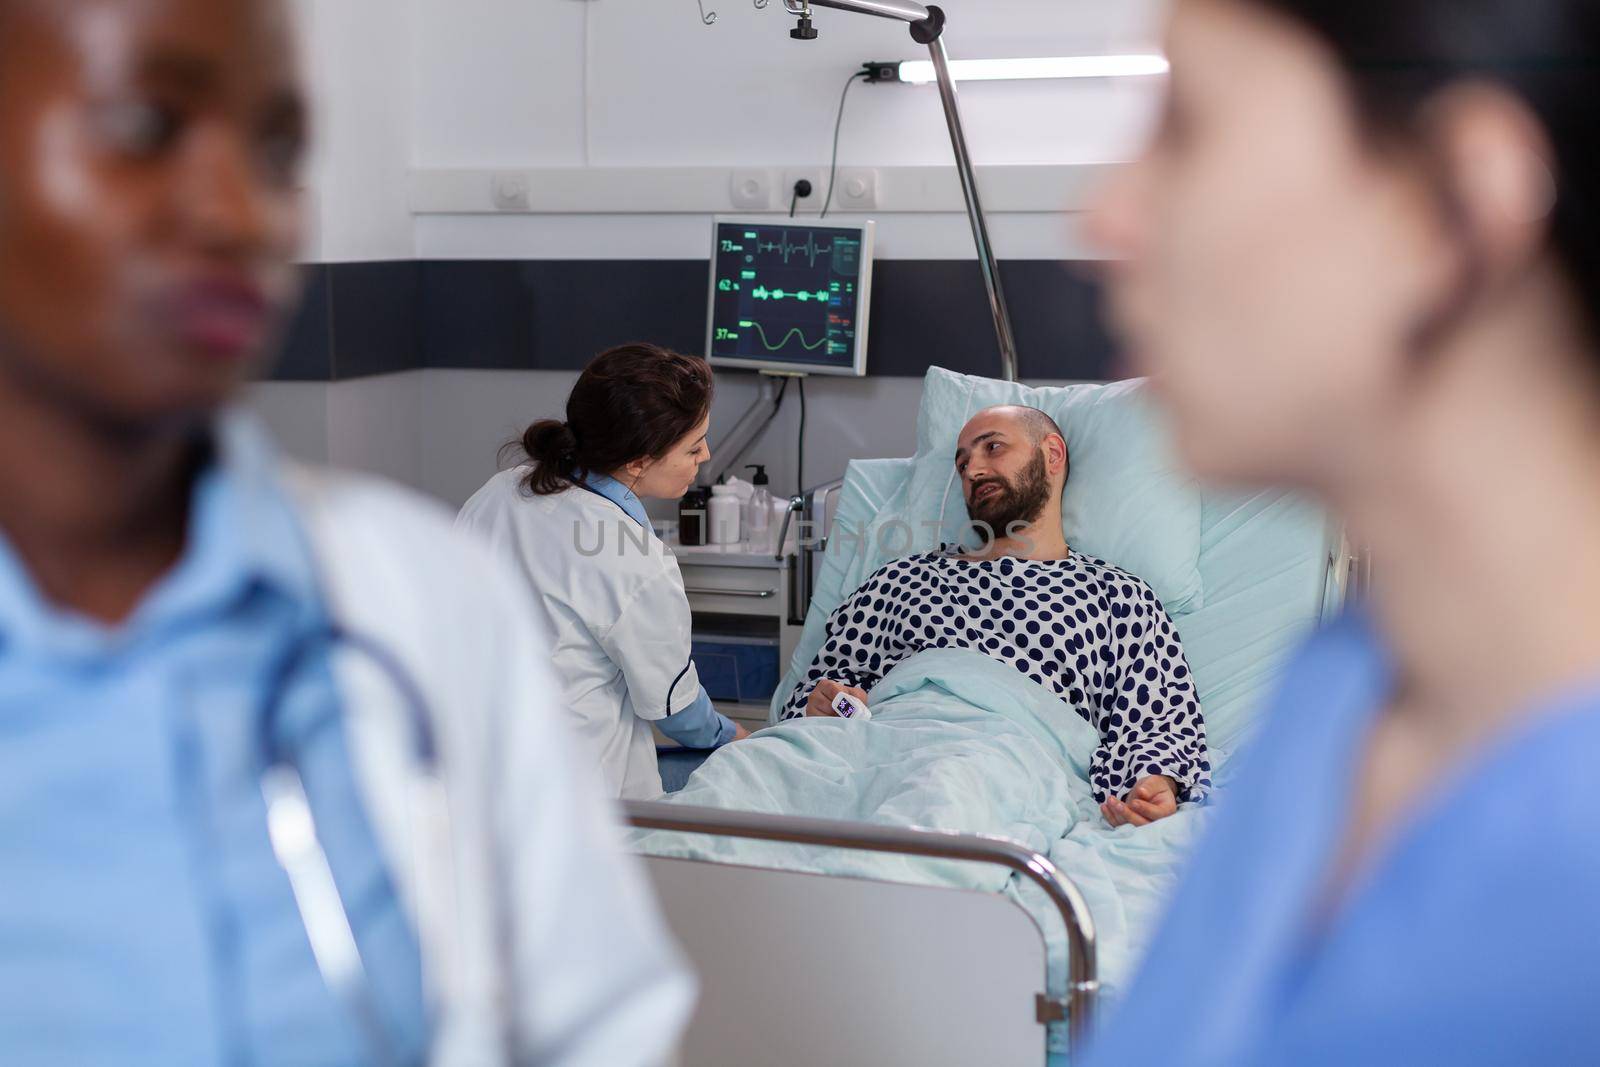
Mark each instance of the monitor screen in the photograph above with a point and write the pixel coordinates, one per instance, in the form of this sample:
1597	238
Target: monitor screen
790	295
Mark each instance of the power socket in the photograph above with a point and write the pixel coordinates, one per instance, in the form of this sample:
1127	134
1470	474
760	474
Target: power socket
857	189
819	187
751	190
510	192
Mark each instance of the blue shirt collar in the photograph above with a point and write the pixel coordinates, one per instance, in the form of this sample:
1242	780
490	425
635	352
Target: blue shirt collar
243	533
618	494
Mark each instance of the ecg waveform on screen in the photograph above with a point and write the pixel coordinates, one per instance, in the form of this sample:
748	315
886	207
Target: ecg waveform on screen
761	292
796	332
786	249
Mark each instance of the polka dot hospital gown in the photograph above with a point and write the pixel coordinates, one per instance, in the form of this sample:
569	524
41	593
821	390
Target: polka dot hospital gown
1090	633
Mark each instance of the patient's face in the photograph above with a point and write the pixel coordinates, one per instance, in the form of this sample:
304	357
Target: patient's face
1270	261
1005	475
1007	505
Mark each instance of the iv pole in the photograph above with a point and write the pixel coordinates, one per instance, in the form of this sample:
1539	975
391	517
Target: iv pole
927	28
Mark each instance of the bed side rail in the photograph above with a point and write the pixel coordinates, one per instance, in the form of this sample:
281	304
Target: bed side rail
1083	967
811	514
1348	576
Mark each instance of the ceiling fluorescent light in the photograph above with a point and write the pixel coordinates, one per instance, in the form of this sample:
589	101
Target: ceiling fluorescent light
920	72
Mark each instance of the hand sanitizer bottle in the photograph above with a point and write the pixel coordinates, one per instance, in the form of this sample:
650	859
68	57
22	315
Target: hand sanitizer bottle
758	512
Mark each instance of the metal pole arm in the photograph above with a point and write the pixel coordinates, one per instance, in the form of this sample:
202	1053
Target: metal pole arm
904	10
927	28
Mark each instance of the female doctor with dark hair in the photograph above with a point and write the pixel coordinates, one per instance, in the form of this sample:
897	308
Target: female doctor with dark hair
1363	259
572	519
184	621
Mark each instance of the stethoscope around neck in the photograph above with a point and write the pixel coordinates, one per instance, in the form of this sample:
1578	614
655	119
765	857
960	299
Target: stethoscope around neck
292	829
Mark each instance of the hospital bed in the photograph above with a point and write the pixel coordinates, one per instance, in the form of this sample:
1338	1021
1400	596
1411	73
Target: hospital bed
800	967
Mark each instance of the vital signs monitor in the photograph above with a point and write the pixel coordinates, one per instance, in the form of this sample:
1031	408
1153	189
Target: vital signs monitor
790	295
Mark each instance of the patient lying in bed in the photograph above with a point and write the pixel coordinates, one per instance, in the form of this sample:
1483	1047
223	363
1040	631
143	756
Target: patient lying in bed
1092	634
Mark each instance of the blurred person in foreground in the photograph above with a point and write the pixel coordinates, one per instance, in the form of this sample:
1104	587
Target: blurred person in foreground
180	614
1362	258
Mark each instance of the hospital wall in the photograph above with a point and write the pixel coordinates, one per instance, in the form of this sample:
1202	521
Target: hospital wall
417	356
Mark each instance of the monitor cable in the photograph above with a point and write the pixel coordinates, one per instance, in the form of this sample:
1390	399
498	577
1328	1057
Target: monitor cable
838	124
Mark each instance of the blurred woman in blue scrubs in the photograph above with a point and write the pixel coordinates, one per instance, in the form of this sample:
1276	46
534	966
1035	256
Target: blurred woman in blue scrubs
179	611
1362	257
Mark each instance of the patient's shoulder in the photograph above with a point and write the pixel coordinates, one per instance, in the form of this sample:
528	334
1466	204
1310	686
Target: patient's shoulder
1117	583
898	570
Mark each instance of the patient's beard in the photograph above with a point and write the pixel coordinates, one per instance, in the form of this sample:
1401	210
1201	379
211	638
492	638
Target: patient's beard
1018	502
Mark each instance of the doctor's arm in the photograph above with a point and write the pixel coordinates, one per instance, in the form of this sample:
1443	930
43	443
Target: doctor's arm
701	726
649	643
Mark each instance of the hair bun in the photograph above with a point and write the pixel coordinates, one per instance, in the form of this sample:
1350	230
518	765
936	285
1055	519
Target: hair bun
551	441
566	440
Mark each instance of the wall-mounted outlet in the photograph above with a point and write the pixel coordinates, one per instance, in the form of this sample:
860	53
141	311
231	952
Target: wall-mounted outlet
751	190
817	176
857	189
510	192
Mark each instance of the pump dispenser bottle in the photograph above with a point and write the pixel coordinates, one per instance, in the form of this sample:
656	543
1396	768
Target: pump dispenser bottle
758	512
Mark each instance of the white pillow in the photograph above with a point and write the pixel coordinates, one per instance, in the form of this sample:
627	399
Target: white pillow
1127	501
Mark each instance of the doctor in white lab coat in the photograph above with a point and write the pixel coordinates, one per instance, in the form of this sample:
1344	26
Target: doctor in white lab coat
169	592
573	519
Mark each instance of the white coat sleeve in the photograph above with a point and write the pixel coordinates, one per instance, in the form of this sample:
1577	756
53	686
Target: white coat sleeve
598	982
559	952
650	642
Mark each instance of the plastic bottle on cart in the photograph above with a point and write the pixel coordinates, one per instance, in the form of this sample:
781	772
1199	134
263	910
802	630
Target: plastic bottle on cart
725	516
758	513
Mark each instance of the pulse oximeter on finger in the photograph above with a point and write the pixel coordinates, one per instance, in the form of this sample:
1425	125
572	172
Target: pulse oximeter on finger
848	707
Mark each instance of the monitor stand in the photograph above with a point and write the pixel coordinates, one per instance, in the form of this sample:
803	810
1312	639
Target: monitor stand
748	430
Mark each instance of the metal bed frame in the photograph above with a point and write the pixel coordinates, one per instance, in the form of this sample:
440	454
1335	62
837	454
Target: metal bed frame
1076	1009
808	514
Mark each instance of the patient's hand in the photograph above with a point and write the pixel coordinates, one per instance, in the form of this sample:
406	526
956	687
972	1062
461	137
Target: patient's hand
1152	798
820	703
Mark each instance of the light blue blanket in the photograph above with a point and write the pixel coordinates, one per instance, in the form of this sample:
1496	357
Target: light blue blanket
957	742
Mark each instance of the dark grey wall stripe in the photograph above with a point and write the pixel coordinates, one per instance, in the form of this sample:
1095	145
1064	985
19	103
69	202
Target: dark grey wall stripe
307	354
556	315
378	313
362	319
